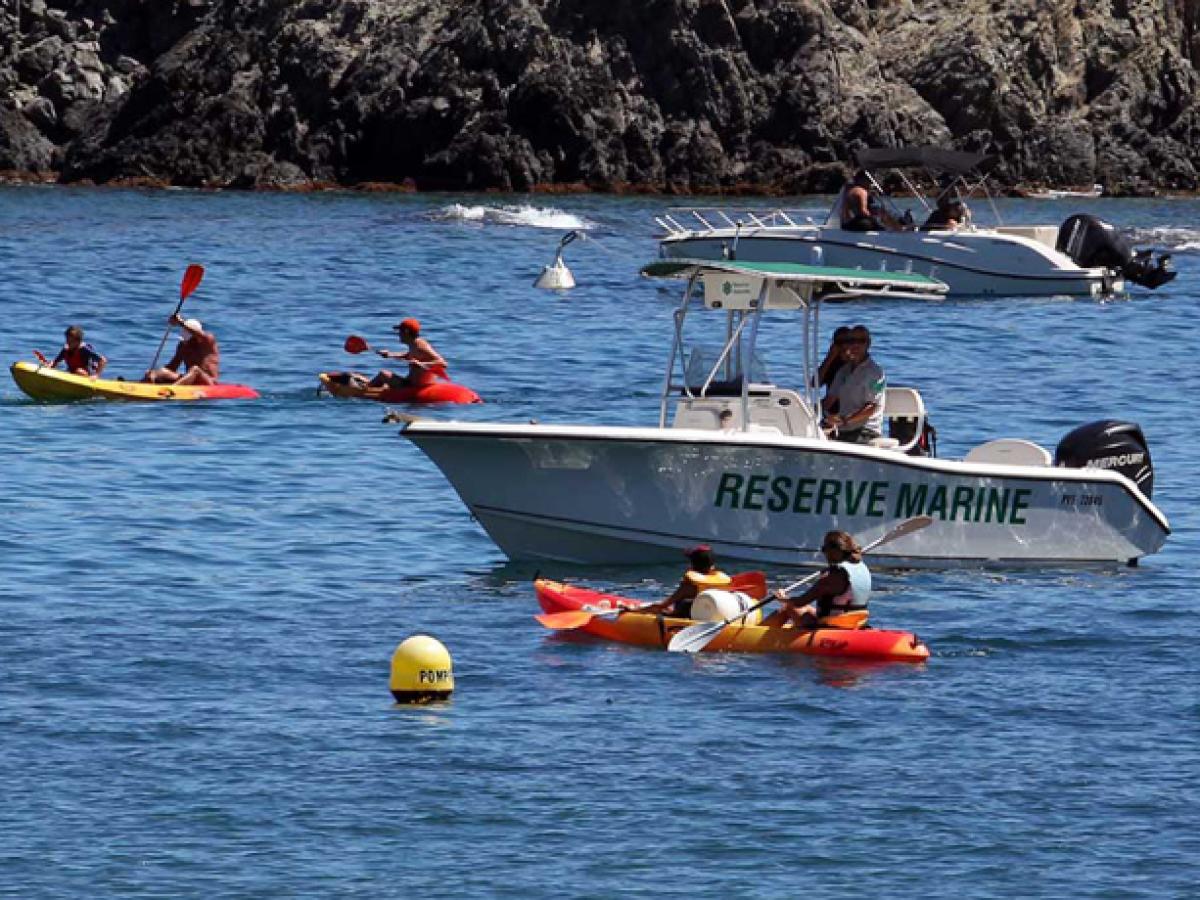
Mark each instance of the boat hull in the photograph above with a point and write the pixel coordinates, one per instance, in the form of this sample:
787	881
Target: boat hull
44	383
592	495
971	264
438	392
656	631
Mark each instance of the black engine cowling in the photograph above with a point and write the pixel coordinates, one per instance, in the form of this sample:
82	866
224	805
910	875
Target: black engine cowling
1109	444
1094	243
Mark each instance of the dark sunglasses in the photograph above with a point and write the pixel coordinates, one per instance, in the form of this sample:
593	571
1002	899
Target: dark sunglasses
852	341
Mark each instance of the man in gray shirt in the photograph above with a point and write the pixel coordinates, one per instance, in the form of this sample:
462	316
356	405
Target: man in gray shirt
854	404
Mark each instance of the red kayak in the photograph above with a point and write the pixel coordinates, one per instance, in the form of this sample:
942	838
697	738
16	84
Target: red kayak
339	384
650	630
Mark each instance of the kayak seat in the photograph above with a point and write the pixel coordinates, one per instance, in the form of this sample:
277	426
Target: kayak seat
851	621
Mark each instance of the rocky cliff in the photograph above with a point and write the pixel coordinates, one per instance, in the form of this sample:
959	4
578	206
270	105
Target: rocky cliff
671	95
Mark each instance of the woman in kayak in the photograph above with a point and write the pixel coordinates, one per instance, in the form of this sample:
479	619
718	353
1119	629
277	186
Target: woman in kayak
197	354
79	358
844	587
701	575
423	361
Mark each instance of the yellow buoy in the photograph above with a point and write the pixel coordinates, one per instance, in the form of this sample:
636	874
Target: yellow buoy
421	670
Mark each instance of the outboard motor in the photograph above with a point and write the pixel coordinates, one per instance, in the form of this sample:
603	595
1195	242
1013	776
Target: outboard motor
1094	243
1109	444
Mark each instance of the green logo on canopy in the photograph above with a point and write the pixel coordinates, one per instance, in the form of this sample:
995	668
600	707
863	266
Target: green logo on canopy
727	288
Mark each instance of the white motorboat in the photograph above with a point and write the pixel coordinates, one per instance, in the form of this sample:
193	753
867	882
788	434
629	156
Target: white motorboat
1082	256
745	466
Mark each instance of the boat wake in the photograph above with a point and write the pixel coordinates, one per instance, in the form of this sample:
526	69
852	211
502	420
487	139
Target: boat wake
525	216
1175	240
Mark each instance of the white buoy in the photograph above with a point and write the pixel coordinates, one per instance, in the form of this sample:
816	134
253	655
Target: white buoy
556	276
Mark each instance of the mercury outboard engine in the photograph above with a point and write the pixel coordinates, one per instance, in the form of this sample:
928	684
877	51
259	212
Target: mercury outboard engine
1109	444
1094	243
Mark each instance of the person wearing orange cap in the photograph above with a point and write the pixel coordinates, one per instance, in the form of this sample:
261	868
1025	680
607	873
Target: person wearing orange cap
423	361
701	575
197	353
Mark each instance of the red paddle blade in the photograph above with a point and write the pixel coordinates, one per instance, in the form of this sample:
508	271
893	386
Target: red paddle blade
571	618
191	280
41	357
752	583
356	344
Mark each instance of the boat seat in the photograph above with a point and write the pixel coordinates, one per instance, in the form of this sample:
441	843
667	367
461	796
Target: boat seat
1010	452
902	403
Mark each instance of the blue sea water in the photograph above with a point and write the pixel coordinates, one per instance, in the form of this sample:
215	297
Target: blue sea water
198	604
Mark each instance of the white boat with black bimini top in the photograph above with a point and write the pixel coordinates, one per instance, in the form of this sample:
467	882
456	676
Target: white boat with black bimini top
1081	256
745	465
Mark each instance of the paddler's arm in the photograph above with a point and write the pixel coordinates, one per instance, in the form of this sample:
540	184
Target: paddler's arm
428	358
683	592
101	362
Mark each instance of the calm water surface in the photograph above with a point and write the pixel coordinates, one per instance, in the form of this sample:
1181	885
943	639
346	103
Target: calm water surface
198	604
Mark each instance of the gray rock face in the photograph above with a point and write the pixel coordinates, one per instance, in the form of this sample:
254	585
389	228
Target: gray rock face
666	95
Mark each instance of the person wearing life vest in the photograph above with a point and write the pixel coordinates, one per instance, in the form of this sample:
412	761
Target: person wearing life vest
197	354
845	587
78	357
701	575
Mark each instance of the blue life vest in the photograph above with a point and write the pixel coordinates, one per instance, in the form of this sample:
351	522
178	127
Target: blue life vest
857	594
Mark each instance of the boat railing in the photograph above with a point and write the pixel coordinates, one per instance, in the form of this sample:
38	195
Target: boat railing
680	220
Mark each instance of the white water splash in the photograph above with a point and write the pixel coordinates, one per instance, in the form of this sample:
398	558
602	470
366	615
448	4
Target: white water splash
523	216
1177	240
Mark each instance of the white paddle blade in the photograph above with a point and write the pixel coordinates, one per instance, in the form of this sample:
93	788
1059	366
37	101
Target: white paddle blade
916	523
695	638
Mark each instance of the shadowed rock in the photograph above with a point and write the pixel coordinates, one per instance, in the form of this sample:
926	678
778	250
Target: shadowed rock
669	95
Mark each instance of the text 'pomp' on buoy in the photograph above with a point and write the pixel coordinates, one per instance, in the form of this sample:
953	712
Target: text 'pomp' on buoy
421	670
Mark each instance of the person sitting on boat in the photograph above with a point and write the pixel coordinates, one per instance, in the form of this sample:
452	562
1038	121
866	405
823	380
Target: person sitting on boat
949	214
842	590
78	357
853	405
422	359
701	575
862	208
197	354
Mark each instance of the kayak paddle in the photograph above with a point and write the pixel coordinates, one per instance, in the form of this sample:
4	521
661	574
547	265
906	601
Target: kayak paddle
357	344
696	637
41	357
753	583
191	281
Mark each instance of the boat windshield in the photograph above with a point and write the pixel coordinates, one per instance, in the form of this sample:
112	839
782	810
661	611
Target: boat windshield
726	378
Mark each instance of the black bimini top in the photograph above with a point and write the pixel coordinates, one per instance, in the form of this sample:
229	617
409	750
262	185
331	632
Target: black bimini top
957	162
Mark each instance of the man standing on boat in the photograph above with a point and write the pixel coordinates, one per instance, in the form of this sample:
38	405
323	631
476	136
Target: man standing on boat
854	404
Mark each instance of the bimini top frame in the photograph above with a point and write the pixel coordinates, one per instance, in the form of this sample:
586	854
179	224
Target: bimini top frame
744	290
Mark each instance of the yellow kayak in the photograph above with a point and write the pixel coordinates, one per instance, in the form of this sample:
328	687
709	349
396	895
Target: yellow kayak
44	383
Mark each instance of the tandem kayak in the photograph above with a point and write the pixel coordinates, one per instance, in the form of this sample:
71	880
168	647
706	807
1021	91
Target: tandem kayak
44	383
651	630
339	385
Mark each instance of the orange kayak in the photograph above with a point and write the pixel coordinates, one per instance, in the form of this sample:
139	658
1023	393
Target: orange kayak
650	630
